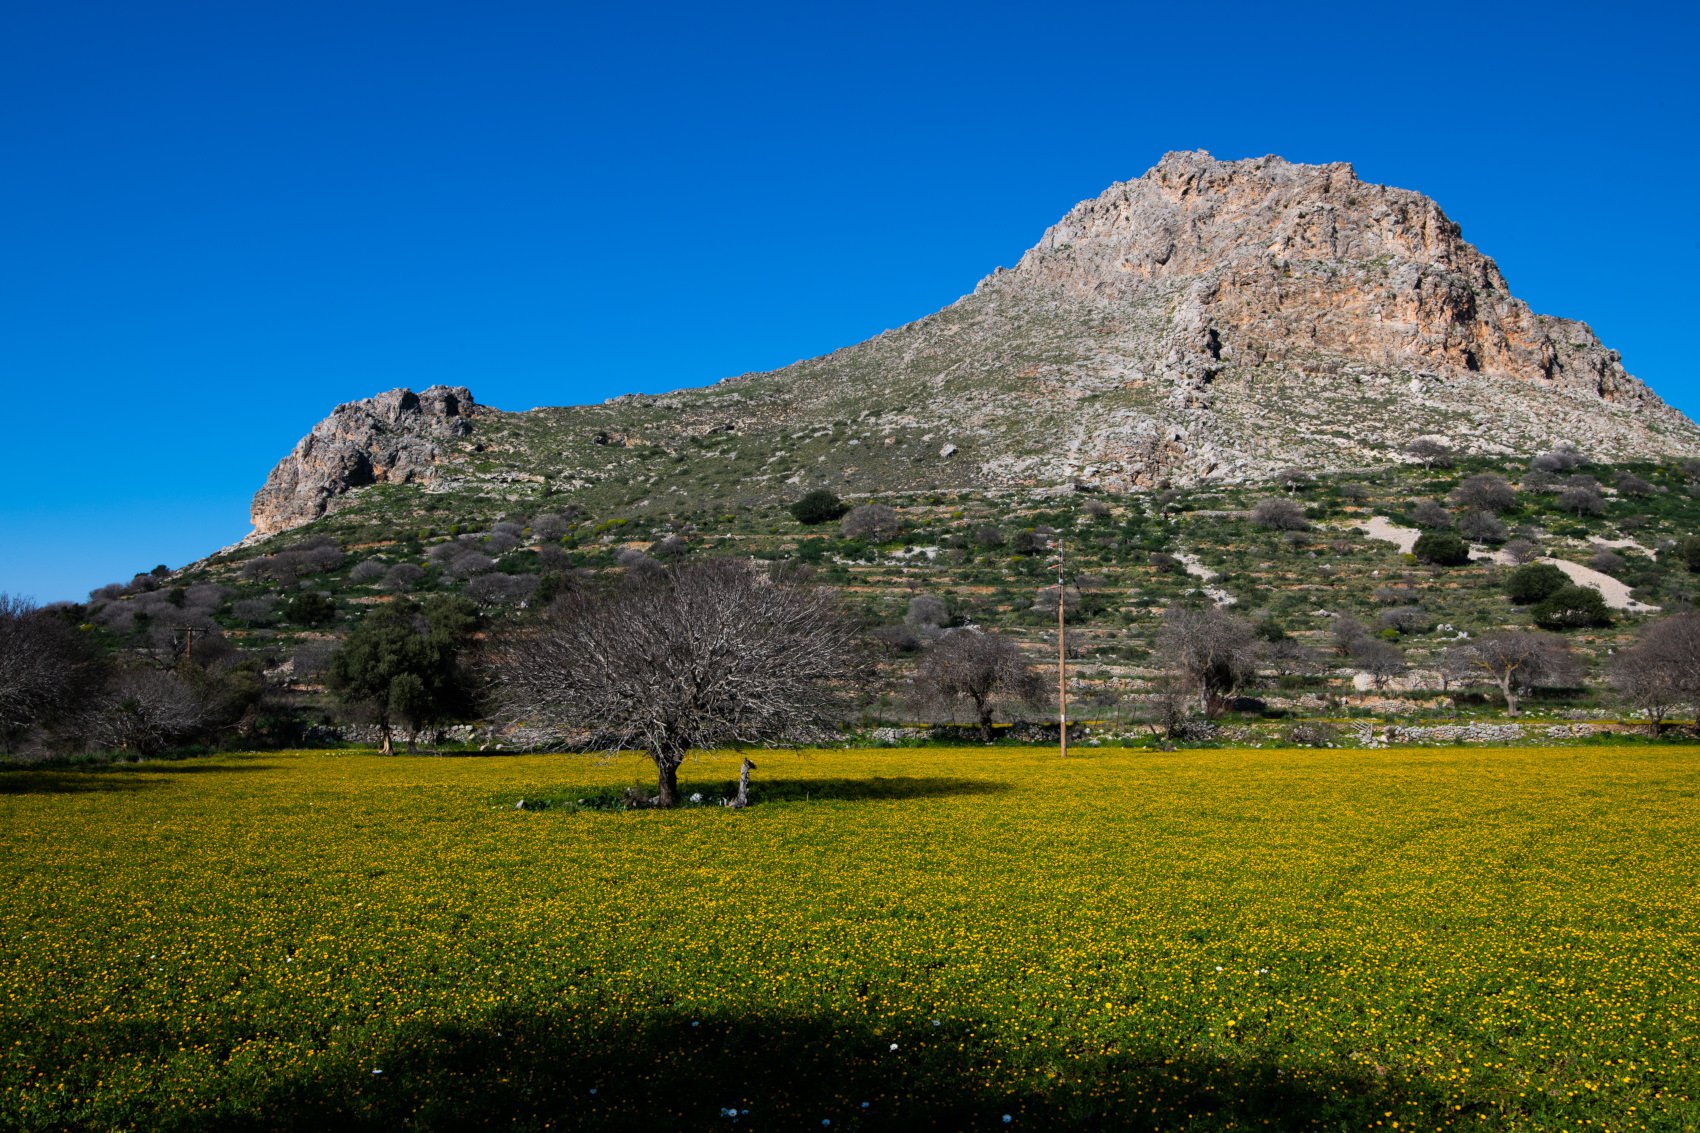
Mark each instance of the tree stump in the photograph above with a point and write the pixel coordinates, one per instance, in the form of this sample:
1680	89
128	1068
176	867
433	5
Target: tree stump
743	798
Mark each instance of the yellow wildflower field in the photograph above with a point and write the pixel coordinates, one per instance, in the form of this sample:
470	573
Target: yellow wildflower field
930	937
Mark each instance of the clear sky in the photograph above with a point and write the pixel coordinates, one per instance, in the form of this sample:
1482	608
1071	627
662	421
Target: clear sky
222	219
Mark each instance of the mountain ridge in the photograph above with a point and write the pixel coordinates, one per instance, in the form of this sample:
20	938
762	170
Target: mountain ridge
1207	320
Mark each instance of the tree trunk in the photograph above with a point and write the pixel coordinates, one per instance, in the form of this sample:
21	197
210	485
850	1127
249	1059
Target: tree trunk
985	721
1510	698
669	773
743	799
386	747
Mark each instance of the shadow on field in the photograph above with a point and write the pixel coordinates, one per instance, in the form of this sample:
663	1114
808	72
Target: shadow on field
118	777
861	790
778	1072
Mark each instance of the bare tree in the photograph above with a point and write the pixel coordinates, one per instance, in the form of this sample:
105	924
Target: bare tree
1581	496
146	711
927	611
1515	661
1485	491
1662	668
1522	550
44	668
403	576
871	521
549	527
979	669
1482	527
1562	459
1629	484
1430	515
706	655
1210	651
1430	453
1278	514
1382	660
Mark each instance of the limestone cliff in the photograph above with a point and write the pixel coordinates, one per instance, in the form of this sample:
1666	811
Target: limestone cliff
393	438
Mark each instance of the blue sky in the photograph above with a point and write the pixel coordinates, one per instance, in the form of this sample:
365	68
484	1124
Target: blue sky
223	219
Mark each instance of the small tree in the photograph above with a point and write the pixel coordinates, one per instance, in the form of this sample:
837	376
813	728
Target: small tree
978	669
1580	499
1442	548
1689	548
1430	515
1514	661
1572	607
402	664
146	711
871	521
1664	663
1382	660
1430	453
46	670
1645	681
1485	491
310	608
1535	582
1210	651
818	506
1279	514
1482	527
707	654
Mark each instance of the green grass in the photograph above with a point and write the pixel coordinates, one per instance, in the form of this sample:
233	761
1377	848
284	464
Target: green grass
1481	939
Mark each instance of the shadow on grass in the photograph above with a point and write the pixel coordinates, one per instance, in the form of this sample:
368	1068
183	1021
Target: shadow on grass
715	792
117	777
668	1070
861	790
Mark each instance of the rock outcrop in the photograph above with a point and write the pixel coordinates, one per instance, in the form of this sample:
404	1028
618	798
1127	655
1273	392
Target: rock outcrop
1278	262
393	438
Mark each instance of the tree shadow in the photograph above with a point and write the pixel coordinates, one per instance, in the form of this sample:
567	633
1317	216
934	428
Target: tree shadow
674	1070
863	790
713	792
114	777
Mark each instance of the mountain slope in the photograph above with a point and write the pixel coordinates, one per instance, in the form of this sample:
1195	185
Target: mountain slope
1207	320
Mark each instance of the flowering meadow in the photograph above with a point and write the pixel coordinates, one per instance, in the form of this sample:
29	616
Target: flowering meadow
907	938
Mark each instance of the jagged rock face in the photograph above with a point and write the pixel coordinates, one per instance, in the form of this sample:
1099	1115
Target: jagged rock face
393	438
1282	261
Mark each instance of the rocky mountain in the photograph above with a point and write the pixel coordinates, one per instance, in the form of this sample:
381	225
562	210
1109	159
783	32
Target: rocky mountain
1208	320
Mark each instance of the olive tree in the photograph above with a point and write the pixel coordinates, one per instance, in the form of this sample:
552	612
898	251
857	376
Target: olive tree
703	655
1514	661
977	669
403	664
1210	652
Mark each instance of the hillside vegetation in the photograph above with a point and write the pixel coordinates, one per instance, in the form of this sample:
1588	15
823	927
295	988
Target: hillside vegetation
1315	564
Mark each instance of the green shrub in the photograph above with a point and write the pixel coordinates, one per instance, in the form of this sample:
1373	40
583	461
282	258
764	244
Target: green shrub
1573	607
1690	548
1535	582
310	609
1442	548
819	506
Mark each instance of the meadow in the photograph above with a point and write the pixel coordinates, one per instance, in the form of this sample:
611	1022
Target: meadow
948	938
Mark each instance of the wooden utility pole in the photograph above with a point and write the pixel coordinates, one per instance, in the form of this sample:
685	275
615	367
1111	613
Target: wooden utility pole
1062	660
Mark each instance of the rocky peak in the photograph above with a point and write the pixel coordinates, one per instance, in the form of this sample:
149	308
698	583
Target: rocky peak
394	438
1272	261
